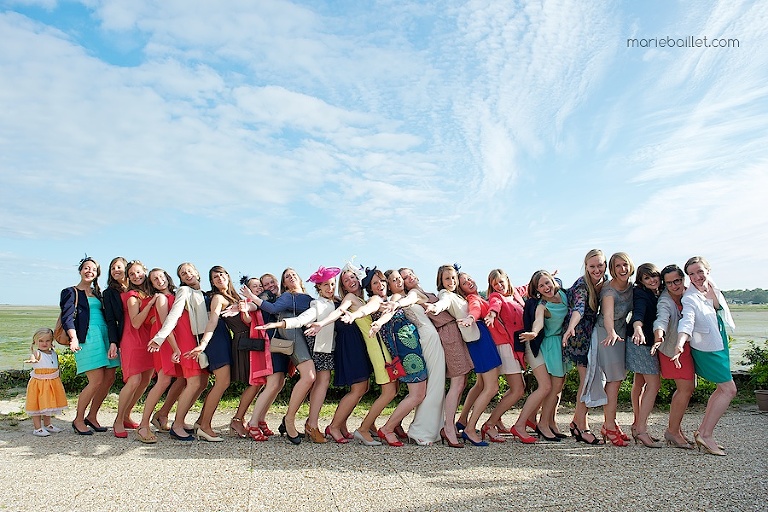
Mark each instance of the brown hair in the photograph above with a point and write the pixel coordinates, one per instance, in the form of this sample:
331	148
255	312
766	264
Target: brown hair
377	273
650	270
282	281
458	286
533	284
95	284
111	281
440	272
171	286
142	288
230	293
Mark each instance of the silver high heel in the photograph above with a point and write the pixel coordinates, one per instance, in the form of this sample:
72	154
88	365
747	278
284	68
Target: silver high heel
357	435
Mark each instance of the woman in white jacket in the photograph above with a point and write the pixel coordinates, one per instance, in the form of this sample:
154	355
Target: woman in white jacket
704	319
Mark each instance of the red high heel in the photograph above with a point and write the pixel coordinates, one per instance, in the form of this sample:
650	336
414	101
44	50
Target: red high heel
265	429
614	436
624	436
383	437
523	439
484	431
341	440
501	429
255	433
530	424
400	433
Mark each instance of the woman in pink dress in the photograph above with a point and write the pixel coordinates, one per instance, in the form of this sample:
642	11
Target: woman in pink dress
136	361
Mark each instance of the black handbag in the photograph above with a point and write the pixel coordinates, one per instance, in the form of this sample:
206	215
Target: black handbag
256	344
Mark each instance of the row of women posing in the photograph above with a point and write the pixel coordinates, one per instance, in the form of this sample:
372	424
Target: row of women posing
429	335
673	332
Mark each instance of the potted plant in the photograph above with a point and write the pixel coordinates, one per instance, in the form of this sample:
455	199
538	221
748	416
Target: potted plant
757	357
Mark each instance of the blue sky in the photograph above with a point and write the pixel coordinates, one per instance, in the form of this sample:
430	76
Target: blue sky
269	134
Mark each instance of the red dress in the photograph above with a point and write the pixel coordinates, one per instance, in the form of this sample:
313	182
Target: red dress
134	356
164	358
186	342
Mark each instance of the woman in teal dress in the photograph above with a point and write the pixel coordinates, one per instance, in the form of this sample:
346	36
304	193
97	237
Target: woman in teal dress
82	318
550	315
705	316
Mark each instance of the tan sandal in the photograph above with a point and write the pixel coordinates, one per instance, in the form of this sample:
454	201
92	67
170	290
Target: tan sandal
149	438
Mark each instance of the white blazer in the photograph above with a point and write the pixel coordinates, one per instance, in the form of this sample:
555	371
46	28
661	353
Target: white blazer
667	319
699	319
319	309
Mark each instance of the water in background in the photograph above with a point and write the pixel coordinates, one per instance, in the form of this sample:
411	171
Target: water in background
751	324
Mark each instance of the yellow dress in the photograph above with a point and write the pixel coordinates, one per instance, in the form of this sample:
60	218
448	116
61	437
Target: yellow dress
376	350
45	392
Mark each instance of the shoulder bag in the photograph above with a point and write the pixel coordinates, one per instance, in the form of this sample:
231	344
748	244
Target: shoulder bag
59	334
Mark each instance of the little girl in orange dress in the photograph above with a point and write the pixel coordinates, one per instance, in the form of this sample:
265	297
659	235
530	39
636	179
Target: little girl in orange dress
45	392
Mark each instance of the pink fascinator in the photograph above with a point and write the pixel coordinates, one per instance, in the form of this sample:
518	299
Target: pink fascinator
323	274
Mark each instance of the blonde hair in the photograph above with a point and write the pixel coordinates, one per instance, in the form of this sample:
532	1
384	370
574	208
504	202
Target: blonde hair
622	256
694	260
39	334
593	296
498	275
178	270
343	290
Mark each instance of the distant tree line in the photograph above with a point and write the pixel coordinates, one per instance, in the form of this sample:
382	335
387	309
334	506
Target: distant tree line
756	296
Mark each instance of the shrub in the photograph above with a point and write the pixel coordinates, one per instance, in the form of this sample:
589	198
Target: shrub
73	383
757	357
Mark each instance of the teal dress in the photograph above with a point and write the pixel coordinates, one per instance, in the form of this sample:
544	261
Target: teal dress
552	344
93	351
714	366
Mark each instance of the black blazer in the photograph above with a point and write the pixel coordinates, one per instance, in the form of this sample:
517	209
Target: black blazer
529	316
644	310
114	315
69	320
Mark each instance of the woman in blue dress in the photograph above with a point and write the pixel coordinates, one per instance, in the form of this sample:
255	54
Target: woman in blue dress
82	318
550	315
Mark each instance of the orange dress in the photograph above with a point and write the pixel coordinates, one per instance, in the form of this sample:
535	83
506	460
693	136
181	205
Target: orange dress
45	392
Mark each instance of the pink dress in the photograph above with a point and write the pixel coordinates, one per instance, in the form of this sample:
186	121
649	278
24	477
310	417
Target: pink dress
134	356
163	359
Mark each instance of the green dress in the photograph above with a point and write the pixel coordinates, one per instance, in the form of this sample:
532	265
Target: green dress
552	344
714	366
93	351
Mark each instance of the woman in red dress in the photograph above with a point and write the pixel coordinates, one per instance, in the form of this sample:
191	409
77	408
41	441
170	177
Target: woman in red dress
135	359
